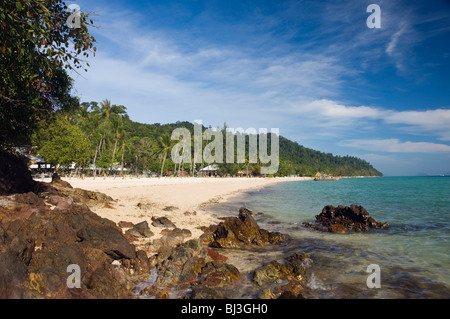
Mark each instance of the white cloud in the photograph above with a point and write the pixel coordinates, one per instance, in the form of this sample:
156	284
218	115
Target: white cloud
393	43
332	110
328	113
395	146
435	121
187	80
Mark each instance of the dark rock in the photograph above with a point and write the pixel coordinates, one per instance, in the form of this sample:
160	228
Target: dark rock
140	230
191	269
162	222
169	208
13	275
215	256
342	219
270	272
294	267
143	206
205	292
141	264
245	210
29	198
37	244
162	294
185	233
172	266
77	195
56	179
60	202
234	232
124	224
170	238
14	174
218	273
276	238
290	295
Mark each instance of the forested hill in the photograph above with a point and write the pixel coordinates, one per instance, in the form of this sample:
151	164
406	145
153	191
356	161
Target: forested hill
295	159
309	161
102	135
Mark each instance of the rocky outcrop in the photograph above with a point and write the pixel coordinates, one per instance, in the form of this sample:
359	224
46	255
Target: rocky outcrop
42	234
190	262
196	270
14	174
291	272
140	230
189	267
293	267
343	219
234	232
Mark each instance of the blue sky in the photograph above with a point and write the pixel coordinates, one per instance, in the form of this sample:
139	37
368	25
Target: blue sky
313	69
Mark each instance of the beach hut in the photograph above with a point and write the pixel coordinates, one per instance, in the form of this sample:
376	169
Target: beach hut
210	170
245	173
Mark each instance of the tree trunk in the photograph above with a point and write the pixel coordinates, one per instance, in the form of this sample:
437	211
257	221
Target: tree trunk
114	153
179	166
164	160
122	162
96	153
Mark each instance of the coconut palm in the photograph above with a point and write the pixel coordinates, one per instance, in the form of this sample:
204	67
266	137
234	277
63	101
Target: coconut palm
164	144
105	108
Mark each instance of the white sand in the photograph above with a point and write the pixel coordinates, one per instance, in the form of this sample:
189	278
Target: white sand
186	195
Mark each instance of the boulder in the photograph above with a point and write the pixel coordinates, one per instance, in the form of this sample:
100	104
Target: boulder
293	267
218	273
38	243
14	174
140	230
163	222
185	233
343	219
56	179
125	224
191	269
180	264
205	292
234	232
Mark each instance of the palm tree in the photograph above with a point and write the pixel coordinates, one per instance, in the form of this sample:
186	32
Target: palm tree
117	125
105	108
164	143
118	109
124	145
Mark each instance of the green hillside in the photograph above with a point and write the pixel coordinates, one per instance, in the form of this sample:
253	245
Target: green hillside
102	135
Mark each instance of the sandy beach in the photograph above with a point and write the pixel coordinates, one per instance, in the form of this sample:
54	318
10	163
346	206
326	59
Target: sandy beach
179	199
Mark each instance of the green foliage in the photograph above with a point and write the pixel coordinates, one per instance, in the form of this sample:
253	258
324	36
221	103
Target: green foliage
62	143
36	49
307	162
115	139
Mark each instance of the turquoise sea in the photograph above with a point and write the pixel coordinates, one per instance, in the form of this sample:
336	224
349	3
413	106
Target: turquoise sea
413	253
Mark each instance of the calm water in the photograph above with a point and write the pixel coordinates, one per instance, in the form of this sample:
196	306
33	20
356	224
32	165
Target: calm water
413	254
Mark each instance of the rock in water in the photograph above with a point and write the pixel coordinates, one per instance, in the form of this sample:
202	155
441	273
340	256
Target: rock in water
343	219
234	232
294	267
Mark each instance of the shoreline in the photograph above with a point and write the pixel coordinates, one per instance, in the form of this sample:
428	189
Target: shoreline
183	200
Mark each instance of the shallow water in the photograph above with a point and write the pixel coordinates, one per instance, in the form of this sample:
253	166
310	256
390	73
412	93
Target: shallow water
413	253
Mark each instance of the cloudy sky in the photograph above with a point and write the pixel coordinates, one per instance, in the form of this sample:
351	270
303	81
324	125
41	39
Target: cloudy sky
313	69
